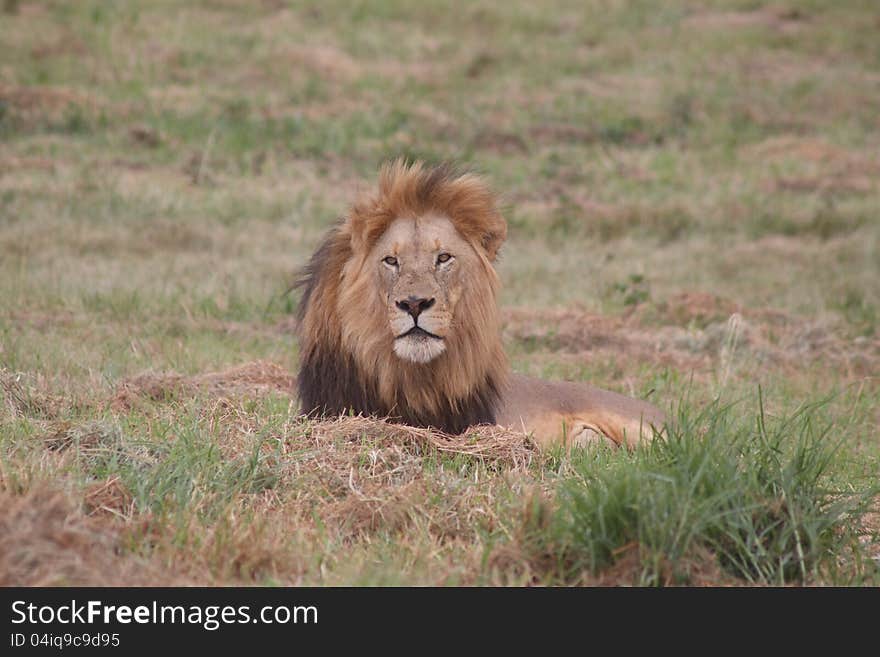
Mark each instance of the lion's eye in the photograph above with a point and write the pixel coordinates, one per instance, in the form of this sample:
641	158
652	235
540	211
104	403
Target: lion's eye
391	261
443	257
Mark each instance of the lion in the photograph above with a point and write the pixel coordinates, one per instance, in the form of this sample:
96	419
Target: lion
399	319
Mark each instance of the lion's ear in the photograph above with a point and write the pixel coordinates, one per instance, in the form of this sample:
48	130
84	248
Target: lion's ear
494	237
354	231
362	227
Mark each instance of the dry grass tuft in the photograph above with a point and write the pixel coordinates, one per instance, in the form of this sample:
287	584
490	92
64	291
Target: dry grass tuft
109	498
362	476
234	550
248	379
23	396
96	443
699	568
488	443
374	508
45	540
871	531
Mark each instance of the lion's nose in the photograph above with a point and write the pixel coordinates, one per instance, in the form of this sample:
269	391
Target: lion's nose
414	306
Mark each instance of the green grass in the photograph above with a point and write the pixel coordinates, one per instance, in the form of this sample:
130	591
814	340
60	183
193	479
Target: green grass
759	494
691	192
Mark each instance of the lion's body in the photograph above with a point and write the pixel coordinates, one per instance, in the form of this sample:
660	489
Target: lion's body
574	413
399	319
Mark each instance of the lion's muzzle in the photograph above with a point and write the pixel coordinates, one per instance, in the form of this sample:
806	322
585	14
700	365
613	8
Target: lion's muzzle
418	344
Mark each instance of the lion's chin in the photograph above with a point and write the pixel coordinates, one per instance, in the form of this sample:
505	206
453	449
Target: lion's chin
418	348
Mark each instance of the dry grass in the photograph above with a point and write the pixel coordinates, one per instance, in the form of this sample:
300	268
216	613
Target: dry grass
698	331
352	480
45	540
490	444
249	379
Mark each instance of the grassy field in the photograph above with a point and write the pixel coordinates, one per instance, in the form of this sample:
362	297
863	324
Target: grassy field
693	193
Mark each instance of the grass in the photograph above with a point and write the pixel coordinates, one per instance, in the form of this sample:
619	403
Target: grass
757	496
691	193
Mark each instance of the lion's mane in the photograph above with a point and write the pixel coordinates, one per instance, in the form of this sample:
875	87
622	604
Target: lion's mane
347	363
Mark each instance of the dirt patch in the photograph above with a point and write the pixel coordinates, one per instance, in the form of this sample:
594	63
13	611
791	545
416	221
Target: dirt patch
67	44
828	168
702	308
332	63
780	18
12	164
145	135
508	143
834	184
553	133
565	211
27	107
42	99
327	61
835	167
798	148
576	332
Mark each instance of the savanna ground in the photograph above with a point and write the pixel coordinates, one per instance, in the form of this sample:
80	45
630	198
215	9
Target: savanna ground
692	190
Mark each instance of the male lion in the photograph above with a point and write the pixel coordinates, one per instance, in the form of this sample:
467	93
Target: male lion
399	319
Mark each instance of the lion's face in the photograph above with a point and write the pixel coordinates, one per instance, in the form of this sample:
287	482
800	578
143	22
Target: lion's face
399	317
421	266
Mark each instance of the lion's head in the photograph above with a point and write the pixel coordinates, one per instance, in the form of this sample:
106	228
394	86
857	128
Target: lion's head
399	315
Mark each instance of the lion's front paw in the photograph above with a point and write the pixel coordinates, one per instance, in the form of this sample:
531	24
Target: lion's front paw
585	435
635	432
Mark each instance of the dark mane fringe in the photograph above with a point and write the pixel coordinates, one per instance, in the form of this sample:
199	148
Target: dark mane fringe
330	384
310	275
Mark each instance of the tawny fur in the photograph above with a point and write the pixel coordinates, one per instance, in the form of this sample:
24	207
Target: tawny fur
347	357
